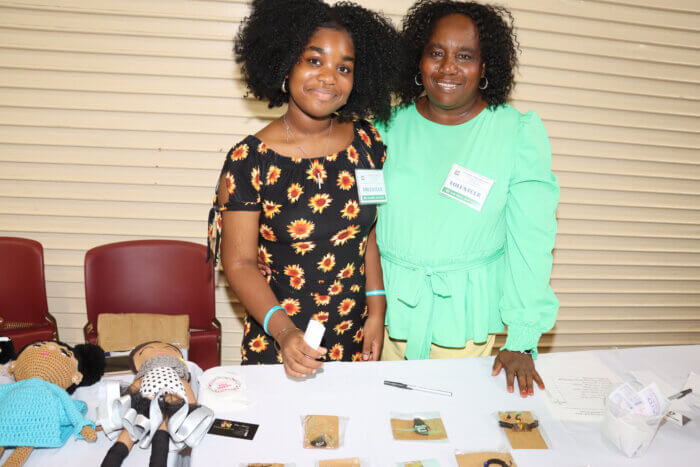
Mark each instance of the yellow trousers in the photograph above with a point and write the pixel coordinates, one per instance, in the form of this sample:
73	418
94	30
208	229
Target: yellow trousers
395	349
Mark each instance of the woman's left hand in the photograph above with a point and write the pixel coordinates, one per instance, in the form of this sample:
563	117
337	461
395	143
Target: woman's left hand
373	333
520	365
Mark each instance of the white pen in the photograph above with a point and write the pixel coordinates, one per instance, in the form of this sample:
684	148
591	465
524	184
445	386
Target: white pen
417	388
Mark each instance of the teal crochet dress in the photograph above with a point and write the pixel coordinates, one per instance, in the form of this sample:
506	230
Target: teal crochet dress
39	414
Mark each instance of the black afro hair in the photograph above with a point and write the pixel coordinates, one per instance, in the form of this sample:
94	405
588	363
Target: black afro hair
497	38
7	350
91	362
275	34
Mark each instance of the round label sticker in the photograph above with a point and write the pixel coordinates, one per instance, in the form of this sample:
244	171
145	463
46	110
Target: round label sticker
224	384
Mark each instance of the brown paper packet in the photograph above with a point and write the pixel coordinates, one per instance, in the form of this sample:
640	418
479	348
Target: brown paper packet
349	462
321	425
477	459
264	464
523	439
403	429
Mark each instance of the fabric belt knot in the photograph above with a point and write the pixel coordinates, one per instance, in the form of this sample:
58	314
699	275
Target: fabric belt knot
423	283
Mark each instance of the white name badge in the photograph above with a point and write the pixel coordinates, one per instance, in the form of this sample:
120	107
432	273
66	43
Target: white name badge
370	186
467	187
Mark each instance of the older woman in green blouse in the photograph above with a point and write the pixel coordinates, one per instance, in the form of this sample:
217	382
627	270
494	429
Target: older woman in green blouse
467	233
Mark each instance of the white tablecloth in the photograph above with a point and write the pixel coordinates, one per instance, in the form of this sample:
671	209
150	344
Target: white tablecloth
356	391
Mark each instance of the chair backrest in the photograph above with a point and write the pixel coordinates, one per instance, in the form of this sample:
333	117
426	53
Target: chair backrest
22	284
150	276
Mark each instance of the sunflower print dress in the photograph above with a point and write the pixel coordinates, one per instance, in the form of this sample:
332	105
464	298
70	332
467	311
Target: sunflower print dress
313	235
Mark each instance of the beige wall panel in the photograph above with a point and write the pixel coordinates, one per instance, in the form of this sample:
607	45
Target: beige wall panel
129	64
642	326
627	313
116	115
187	9
123	102
625	258
605	242
627	198
624	151
108	23
689	6
621	273
600	81
631	168
20	78
49	154
605	29
605	100
34	188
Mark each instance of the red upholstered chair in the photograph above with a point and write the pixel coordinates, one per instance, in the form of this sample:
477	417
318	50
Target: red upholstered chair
23	306
155	276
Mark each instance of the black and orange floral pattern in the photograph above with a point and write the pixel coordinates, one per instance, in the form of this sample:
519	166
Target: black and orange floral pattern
313	234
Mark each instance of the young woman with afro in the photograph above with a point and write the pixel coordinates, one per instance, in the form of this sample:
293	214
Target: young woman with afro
467	233
289	194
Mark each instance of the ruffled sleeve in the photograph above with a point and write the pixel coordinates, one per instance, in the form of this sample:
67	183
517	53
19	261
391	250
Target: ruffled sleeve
529	306
238	189
374	144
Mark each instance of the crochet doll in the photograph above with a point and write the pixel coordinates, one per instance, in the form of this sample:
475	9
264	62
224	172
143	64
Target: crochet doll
36	411
162	378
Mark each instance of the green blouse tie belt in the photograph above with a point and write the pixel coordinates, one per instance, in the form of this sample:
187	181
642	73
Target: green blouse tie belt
431	280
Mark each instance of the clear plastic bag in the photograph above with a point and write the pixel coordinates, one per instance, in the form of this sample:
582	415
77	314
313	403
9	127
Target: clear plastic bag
323	431
418	426
629	424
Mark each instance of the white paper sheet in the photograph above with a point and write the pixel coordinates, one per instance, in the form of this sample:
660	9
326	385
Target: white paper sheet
576	386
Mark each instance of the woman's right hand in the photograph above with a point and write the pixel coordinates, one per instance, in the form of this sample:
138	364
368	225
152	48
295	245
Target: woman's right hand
300	360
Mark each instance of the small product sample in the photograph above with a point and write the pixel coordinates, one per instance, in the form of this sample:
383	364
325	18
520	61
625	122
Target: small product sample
522	430
349	462
485	459
321	431
418	427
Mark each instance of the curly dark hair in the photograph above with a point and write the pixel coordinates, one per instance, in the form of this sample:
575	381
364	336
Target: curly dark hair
271	40
498	41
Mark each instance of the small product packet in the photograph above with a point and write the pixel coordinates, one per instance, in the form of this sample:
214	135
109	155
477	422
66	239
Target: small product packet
522	430
632	417
484	459
349	462
266	464
323	431
420	463
420	426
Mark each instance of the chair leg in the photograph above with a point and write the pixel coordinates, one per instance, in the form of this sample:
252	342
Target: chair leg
18	457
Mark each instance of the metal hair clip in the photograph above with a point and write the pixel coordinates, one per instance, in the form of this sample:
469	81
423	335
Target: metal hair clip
420	427
517	424
319	441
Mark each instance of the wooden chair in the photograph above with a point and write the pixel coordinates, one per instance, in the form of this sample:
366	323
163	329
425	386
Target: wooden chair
155	276
24	311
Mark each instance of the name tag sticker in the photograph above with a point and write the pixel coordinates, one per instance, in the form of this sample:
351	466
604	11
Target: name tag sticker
370	186
467	187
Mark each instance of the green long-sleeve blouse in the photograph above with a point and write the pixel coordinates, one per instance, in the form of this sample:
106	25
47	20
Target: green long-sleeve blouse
453	273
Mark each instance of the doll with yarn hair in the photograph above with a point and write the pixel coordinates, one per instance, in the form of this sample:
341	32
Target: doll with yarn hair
36	411
162	379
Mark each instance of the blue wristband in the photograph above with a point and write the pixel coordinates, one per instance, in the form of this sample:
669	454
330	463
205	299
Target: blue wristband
268	315
370	293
